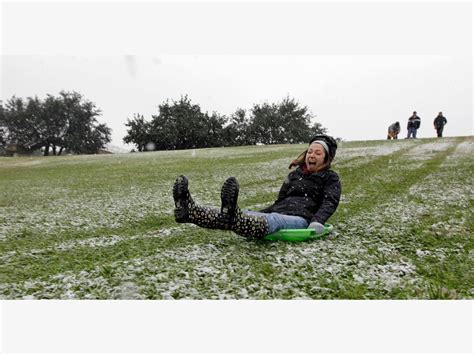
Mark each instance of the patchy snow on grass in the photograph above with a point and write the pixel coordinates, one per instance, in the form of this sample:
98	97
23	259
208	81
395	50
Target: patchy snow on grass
359	235
359	156
84	214
94	242
384	148
465	148
463	154
426	151
22	162
445	187
374	252
387	276
395	218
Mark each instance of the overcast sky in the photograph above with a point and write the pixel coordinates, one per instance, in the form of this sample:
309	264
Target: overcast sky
357	66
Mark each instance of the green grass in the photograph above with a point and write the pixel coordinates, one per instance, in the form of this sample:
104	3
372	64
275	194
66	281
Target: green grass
102	227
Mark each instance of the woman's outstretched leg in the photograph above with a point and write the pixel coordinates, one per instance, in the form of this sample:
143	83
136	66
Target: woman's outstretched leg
233	218
229	217
187	211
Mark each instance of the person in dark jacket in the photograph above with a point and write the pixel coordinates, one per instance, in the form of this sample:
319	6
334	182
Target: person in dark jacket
413	124
308	197
393	130
439	123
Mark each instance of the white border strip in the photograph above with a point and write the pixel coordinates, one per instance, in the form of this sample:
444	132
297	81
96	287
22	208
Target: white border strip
237	326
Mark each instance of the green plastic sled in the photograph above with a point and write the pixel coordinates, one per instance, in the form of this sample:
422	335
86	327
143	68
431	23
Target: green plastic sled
299	235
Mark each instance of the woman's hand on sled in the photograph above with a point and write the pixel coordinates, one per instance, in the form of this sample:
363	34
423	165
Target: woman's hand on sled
318	227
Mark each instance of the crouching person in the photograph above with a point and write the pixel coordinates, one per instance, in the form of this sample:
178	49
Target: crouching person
393	130
308	197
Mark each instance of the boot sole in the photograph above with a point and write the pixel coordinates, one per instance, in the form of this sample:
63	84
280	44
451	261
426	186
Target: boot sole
181	199
229	197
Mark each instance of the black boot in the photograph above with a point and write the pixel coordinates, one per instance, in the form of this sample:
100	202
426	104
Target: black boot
186	211
229	196
231	217
182	199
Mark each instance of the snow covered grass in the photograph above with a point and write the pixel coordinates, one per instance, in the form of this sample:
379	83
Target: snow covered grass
102	227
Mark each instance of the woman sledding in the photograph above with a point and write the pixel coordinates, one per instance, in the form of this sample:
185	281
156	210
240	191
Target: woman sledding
308	197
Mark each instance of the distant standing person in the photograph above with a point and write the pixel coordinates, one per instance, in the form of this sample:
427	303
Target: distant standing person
439	123
413	124
393	130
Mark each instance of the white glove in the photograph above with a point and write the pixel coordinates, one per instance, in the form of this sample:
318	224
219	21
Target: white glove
318	227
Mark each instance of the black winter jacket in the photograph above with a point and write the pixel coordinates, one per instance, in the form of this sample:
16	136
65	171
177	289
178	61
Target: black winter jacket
314	197
414	122
440	121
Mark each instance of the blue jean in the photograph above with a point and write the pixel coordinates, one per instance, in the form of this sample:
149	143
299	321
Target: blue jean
412	132
277	221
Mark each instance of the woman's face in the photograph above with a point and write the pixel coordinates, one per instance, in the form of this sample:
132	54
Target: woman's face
315	157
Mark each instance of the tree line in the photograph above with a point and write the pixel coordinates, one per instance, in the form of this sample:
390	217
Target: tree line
180	124
68	123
